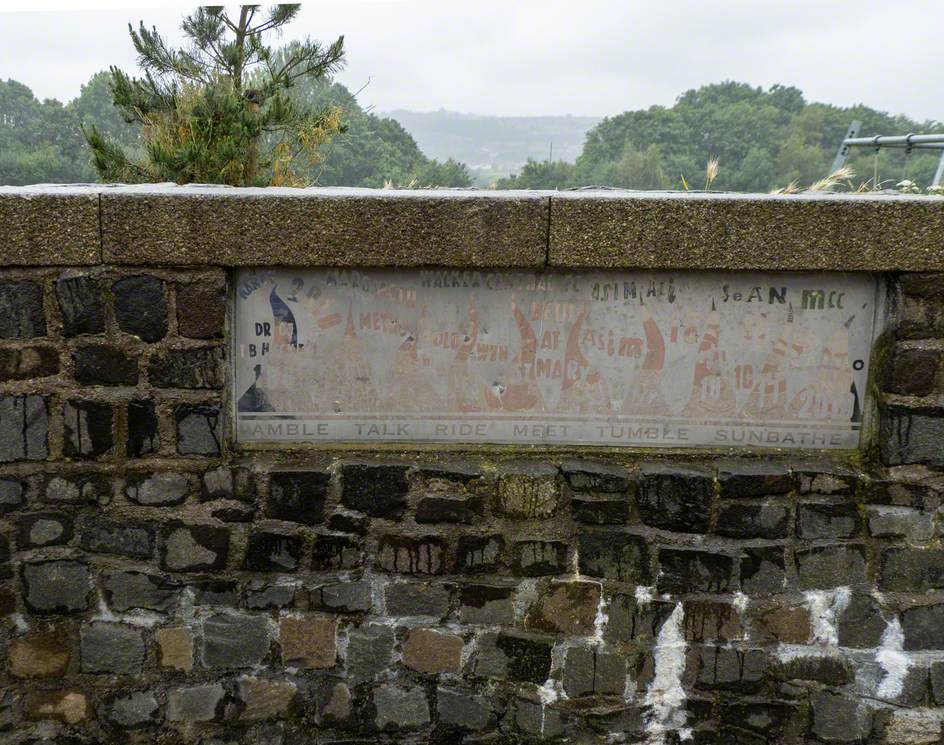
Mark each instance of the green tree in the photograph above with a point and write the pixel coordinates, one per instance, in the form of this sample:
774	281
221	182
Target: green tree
220	111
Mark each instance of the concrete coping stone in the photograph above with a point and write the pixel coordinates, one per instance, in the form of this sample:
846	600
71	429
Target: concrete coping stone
209	225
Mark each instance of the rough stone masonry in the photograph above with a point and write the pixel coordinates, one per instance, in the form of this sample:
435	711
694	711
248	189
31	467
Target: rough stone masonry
158	584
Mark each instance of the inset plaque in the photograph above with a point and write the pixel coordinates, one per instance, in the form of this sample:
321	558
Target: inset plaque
674	359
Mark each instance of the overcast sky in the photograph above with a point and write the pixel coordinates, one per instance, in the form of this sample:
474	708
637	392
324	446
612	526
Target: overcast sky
517	57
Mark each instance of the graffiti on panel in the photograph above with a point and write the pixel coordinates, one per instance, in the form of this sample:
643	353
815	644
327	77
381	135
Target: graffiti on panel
662	359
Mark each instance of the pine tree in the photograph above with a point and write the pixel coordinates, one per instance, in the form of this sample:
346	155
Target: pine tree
219	111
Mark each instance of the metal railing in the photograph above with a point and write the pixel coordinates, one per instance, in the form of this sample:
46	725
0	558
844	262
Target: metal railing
908	143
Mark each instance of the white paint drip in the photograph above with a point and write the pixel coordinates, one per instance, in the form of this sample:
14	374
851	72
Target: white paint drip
665	695
548	693
740	602
600	620
893	660
824	607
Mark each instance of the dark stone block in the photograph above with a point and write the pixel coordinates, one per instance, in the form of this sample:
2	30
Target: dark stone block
441	509
191	548
529	658
754	479
408	555
187	368
829	670
333	552
586	476
298	496
612	554
214	592
342	597
111	648
596	511
12	495
911	435
828	521
268	596
825	567
416	599
21	309
97	364
490	605
839	719
87	429
121	538
376	490
753	520
126	591
479	553
26	363
159	489
682	571
140	307
89	488
861	624
198	429
463	474
907	569
913	371
631	620
235	640
348	522
143	436
766	718
43	529
675	497
24	428
80	301
923	627
537	558
763	570
201	309
56	586
273	552
731	669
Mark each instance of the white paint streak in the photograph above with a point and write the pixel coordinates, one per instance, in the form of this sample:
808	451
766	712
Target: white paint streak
740	602
824	607
600	620
893	660
665	695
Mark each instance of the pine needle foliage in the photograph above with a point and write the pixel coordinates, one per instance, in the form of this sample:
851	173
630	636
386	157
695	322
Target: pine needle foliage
219	111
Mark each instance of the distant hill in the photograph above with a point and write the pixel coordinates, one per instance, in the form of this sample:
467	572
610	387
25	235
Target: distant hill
494	146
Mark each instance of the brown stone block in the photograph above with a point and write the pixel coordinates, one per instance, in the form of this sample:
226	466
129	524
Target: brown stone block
44	654
430	651
567	608
70	707
265	699
51	225
308	642
335	227
665	230
176	648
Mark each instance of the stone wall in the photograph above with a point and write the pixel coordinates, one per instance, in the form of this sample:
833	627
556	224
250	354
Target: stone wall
159	584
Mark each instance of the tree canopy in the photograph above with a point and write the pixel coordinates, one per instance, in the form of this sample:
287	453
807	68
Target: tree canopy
219	110
41	142
763	140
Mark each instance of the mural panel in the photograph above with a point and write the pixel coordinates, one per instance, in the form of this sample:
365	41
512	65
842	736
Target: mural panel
675	359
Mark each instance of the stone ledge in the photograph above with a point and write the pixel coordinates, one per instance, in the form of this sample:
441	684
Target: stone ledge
185	226
168	225
666	230
45	226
